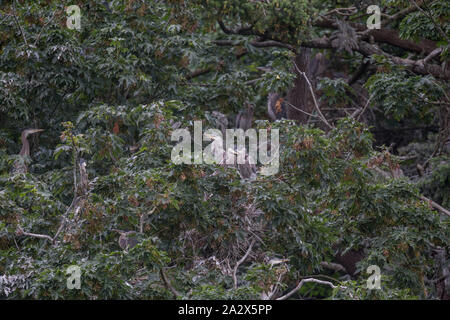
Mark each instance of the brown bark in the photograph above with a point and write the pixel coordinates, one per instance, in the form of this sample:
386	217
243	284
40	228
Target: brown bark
299	97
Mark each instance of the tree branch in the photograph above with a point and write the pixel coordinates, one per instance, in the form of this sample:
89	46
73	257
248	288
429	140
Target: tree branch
272	43
256	43
168	285
198	73
367	49
240	262
398	15
435	205
245	31
383	35
429	16
361	70
143	216
302	282
35	235
18	24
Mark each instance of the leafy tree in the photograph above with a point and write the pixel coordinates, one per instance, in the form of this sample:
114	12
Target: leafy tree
364	165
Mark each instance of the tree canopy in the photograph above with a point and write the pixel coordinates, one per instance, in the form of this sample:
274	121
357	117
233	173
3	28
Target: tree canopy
364	170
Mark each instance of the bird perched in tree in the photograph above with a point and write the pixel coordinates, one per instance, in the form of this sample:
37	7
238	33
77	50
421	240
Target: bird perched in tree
275	261
276	106
20	165
84	181
247	170
245	118
221	121
127	239
222	157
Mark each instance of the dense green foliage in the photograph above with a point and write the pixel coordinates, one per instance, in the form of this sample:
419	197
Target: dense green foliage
112	93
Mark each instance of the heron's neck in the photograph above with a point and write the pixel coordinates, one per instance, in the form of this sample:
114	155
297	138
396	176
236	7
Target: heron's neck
25	151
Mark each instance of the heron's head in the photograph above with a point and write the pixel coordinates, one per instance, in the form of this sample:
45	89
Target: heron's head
119	231
124	232
27	132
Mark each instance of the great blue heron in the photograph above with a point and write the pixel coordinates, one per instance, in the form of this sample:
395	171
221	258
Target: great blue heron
127	239
248	168
20	165
245	118
221	121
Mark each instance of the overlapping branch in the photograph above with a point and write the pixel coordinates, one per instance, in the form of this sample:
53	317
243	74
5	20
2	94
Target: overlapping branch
303	281
240	262
389	36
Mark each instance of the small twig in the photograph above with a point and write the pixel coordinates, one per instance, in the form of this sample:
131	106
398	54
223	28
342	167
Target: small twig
363	110
436	149
143	216
298	109
432	54
253	81
35	235
313	96
18	24
75	196
240	262
6	17
397	16
43	27
429	16
442	278
431	202
341	11
64	218
15	242
273	291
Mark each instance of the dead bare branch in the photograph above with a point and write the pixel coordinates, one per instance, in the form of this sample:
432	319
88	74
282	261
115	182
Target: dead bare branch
35	235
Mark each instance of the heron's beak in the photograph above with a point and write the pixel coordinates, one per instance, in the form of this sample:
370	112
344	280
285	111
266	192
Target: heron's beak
35	130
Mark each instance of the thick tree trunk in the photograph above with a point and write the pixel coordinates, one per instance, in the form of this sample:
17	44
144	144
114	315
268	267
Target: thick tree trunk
299	97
